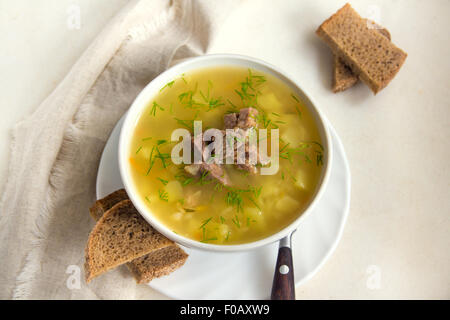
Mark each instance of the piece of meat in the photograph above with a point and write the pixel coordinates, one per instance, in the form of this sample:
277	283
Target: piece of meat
230	120
250	154
248	167
243	121
214	170
217	172
247	118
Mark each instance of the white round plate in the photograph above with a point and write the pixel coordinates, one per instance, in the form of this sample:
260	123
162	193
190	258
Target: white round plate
248	275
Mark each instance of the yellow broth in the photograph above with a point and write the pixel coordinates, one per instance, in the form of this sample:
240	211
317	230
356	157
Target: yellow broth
254	206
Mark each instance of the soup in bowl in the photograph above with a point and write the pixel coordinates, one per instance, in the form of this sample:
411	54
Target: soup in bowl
224	152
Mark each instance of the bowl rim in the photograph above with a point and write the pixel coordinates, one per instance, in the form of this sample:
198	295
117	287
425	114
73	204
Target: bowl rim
171	73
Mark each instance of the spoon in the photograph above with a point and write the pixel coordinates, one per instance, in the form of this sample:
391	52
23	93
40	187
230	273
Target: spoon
283	286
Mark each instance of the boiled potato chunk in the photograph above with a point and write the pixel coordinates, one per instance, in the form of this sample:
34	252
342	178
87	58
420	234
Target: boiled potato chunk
222	231
177	216
291	120
301	180
228	212
174	190
253	213
287	203
269	192
193	199
292	135
270	102
256	218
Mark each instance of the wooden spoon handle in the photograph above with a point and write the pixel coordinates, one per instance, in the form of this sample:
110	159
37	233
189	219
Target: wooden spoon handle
283	287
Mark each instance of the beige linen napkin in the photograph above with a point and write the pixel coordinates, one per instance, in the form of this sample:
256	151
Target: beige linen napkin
44	220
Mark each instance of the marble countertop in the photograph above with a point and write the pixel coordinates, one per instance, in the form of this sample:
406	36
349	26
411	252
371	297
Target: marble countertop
396	243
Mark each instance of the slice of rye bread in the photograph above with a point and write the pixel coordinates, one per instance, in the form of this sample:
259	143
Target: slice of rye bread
153	265
343	77
102	205
369	54
157	264
120	236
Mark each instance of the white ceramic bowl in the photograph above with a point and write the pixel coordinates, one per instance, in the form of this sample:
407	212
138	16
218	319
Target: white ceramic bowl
152	90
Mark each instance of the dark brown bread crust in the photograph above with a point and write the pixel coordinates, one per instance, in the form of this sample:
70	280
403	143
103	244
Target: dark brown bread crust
343	77
157	264
368	53
106	203
149	266
120	236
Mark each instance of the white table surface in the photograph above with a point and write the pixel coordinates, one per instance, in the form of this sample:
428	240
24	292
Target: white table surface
397	240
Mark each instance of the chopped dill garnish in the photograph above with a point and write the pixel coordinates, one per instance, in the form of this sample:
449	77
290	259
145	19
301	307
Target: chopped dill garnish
249	89
164	196
307	159
181	177
154	108
189	210
184	95
204	97
236	221
162	157
291	175
218	187
187	98
297	109
317	144
256	191
298	112
146	139
204	178
234	198
182	78
276	114
211	103
147	198
319	159
160	142
205	222
215	103
284	147
187	181
189	124
139	149
222	220
208	239
151	160
169	84
164	182
288	153
228	235
265	121
232	105
254	202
